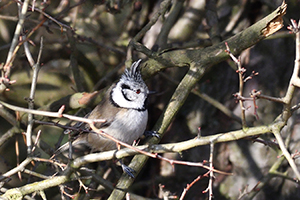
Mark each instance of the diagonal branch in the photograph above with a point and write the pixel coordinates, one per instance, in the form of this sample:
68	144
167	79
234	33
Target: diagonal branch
199	61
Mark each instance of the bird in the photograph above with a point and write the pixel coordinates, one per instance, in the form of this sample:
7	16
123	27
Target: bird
124	109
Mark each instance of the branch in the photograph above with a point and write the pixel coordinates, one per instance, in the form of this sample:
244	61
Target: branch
241	72
207	57
36	69
9	134
212	21
17	32
200	62
151	149
74	63
5	73
134	42
208	99
162	37
58	114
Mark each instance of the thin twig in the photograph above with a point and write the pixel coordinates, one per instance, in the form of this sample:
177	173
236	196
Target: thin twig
37	140
32	173
134	42
26	39
212	21
17	32
191	184
28	53
286	114
62	25
211	174
208	99
152	155
16	169
285	152
58	114
240	71
36	68
9	134
74	62
18	156
162	37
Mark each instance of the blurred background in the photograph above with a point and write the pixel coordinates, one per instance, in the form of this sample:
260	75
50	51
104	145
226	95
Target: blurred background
102	32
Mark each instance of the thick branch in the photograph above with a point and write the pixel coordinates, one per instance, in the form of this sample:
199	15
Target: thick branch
96	157
209	56
200	61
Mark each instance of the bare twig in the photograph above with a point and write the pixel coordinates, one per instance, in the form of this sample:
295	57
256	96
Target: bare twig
212	21
16	169
5	72
9	134
295	28
153	155
74	63
134	42
17	32
37	140
58	114
162	37
207	98
32	173
191	184
287	100
240	71
211	174
285	152
18	156
36	68
62	25
27	52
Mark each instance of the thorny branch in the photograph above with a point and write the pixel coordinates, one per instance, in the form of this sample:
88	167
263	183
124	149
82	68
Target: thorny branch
198	65
199	141
14	47
241	72
134	42
152	155
101	156
91	123
191	184
36	68
286	100
242	79
58	114
286	114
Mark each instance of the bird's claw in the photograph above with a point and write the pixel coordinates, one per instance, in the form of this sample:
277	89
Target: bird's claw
152	134
128	170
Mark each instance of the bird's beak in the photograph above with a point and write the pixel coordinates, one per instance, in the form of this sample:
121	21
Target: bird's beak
152	92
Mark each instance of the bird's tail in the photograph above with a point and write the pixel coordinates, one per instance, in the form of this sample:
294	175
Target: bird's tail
79	146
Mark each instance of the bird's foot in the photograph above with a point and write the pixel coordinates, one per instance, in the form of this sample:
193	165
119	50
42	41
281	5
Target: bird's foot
127	170
151	134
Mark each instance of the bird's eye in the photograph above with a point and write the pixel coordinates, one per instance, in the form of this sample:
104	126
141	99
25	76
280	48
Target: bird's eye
124	86
138	91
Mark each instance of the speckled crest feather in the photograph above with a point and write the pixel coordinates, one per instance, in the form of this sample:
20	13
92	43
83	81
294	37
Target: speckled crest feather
133	73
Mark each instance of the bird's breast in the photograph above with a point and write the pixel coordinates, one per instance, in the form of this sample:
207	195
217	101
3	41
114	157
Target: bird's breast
128	125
